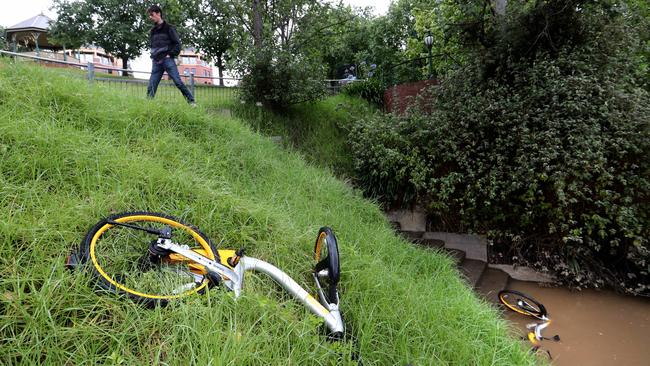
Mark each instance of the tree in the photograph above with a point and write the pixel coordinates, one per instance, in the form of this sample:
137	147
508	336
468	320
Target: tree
3	39
273	49
120	27
212	31
73	25
121	33
344	39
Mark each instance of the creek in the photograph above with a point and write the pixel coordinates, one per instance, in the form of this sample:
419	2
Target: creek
595	327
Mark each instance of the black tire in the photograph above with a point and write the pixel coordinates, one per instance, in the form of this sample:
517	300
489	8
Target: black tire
326	255
522	303
121	258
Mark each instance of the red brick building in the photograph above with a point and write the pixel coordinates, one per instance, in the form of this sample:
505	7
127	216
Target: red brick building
192	62
102	60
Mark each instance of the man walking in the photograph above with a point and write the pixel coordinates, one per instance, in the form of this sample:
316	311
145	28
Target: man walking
165	46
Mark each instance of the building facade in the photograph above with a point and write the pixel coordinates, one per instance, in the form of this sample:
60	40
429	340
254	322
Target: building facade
102	60
191	62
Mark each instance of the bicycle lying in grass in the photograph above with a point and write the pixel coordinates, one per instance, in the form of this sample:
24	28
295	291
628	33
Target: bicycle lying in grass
526	305
154	258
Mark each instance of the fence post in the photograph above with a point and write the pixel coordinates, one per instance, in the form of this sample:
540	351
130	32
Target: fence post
14	44
91	71
192	85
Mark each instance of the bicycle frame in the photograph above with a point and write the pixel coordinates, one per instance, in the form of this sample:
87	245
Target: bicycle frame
233	279
535	336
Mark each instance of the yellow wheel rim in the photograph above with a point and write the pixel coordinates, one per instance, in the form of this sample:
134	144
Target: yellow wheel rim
319	245
204	244
513	308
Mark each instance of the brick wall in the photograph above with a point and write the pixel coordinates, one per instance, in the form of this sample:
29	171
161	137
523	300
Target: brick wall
399	97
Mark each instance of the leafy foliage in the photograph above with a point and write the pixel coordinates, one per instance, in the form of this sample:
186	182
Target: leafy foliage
123	33
73	25
543	146
272	51
212	31
3	38
371	90
344	39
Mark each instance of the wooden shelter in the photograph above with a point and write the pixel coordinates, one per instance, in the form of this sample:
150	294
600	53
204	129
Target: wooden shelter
31	33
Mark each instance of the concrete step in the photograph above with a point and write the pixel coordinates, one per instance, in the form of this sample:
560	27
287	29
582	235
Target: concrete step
457	255
472	269
411	235
474	246
524	273
492	281
409	219
430	243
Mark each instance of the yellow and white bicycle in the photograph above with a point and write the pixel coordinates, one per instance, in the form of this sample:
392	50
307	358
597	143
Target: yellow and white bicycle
154	258
526	305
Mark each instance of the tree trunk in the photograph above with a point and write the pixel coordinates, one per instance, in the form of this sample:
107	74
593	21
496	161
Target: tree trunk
125	66
220	68
257	24
259	71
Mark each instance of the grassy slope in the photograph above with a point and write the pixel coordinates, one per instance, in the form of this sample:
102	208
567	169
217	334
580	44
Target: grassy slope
318	129
70	153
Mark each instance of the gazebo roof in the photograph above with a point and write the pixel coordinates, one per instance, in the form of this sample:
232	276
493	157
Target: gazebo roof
39	22
25	31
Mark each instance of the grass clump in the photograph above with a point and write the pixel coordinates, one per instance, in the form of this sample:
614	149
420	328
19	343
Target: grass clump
72	152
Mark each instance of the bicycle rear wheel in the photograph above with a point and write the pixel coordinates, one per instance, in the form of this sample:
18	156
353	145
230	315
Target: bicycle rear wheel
126	260
522	303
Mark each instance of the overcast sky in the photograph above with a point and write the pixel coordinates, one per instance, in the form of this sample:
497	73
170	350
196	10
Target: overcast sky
15	11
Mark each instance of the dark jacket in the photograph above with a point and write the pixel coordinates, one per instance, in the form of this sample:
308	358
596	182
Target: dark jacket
164	41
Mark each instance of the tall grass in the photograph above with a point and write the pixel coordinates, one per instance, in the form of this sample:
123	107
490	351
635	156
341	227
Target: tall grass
209	96
318	130
72	152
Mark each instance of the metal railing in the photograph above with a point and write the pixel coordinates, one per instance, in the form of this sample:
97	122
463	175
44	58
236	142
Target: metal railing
205	89
122	80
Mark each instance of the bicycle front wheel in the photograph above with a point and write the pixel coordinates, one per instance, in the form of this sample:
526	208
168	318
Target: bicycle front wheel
522	303
327	269
125	259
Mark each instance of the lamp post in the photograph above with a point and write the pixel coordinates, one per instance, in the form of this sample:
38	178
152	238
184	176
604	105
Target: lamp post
428	41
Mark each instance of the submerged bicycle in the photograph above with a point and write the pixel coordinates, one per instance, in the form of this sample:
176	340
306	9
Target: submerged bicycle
153	258
526	305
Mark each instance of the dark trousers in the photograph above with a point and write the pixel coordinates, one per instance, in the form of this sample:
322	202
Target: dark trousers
168	65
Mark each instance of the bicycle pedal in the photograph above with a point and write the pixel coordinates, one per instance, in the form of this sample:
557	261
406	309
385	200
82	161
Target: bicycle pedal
72	262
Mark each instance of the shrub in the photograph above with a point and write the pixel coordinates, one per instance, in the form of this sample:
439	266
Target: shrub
281	81
553	164
371	90
542	142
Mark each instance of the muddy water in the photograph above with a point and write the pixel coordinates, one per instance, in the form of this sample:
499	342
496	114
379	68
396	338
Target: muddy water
595	327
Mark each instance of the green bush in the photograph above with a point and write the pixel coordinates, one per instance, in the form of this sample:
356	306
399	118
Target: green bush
371	90
542	143
279	80
555	165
